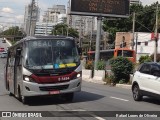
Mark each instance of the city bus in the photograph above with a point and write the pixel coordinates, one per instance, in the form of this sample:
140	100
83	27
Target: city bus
42	66
110	53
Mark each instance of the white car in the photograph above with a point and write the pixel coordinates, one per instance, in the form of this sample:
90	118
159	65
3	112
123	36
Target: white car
146	81
3	54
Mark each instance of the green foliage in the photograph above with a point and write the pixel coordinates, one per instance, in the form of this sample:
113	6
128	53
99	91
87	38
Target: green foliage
121	68
122	81
145	21
89	65
13	31
143	59
63	29
101	65
109	79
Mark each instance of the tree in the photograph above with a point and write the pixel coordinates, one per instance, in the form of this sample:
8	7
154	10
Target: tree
145	21
63	29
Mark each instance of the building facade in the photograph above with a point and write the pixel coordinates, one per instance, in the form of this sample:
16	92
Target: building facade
51	15
135	2
32	15
44	28
143	42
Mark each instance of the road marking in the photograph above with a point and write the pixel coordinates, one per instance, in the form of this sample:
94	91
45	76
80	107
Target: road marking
99	118
119	99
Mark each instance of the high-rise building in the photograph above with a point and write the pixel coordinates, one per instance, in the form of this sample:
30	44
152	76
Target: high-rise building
51	15
135	2
44	28
32	15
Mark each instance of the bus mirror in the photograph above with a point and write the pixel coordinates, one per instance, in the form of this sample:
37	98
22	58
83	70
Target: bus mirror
79	51
18	52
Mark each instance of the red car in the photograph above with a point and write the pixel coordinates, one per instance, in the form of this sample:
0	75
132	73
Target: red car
2	50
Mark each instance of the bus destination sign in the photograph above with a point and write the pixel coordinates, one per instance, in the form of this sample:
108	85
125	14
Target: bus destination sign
111	8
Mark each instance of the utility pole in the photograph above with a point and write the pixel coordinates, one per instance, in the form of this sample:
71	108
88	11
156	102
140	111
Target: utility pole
97	51
156	35
30	19
91	33
123	39
80	32
136	45
133	30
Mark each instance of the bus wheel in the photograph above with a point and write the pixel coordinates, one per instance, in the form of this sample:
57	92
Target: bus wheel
24	99
69	97
10	94
19	96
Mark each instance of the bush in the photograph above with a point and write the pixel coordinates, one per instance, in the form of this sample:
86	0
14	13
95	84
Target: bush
109	79
121	68
143	59
101	65
89	65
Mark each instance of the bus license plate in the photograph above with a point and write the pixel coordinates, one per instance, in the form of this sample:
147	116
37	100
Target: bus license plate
54	92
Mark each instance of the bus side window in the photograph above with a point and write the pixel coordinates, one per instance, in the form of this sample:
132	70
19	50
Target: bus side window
18	57
9	59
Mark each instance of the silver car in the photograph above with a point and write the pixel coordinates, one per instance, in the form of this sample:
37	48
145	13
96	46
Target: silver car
3	54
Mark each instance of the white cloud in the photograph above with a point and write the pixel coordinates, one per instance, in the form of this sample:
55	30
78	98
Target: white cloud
20	17
7	10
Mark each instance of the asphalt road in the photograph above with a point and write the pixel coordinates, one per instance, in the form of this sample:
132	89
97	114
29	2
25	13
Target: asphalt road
93	97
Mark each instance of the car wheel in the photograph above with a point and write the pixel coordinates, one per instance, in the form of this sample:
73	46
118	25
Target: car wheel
24	99
136	93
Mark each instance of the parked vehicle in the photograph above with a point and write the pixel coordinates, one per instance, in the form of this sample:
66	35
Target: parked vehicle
3	54
3	41
146	81
2	49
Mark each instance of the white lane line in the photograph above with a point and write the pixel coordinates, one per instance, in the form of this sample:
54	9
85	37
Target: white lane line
99	118
119	99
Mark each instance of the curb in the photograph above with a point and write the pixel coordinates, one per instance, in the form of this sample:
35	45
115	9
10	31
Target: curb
124	86
94	81
103	83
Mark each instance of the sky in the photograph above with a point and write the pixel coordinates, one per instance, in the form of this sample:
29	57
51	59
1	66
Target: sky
12	11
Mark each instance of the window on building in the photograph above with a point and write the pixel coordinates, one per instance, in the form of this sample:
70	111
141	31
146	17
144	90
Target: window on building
146	43
139	43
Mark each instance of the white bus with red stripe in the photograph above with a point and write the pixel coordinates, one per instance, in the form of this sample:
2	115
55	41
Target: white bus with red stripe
43	65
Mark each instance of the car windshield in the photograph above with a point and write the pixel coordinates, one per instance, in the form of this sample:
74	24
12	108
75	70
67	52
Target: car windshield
51	54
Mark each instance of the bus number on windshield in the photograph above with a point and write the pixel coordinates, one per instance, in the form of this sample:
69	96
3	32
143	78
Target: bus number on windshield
61	43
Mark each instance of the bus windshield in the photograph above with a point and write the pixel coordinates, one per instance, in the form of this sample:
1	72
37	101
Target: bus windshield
51	54
125	53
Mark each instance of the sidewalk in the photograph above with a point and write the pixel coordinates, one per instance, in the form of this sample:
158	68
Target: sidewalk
126	86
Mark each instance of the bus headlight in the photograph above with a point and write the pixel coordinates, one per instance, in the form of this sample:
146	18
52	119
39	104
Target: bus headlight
78	75
28	78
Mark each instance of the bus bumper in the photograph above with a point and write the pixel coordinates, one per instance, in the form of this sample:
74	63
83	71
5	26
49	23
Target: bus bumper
35	89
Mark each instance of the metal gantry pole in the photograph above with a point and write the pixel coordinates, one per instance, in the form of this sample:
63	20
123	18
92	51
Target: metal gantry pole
97	51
